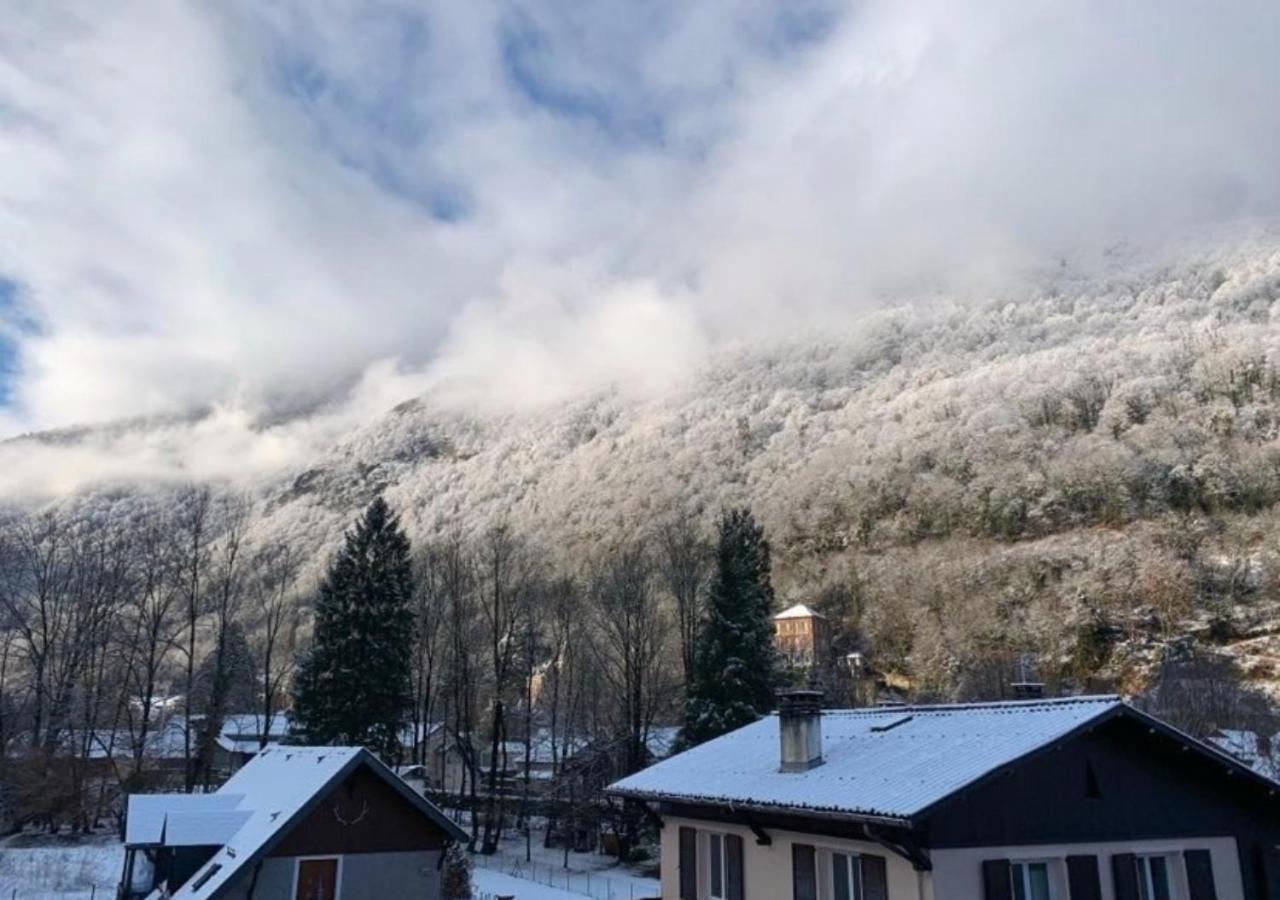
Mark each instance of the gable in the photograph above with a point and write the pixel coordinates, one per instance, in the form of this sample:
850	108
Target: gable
361	814
1118	781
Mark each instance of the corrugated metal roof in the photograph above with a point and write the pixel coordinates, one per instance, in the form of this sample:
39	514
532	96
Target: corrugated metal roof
867	770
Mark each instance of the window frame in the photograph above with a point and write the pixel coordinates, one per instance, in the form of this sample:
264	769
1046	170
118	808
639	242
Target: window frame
717	838
1146	876
1020	876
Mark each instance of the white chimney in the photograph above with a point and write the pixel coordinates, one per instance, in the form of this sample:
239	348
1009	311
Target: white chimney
800	729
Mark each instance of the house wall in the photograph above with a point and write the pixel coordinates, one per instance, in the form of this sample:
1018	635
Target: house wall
767	870
957	874
1143	788
362	876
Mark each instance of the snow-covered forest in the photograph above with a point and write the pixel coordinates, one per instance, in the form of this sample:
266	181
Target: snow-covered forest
1085	473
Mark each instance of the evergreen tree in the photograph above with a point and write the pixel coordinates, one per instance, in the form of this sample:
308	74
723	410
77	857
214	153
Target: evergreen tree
354	685
734	667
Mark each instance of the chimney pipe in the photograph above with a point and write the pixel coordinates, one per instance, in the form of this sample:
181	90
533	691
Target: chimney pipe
800	729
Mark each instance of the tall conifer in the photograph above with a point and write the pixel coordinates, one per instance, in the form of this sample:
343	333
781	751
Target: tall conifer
353	687
734	666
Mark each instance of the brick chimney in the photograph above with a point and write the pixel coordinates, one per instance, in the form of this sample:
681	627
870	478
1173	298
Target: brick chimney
800	729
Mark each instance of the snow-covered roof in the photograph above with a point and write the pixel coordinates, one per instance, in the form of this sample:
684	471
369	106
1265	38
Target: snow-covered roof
877	763
799	611
256	807
149	813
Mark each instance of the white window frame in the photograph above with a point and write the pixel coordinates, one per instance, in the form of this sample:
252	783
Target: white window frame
1025	865
722	838
853	864
297	871
1146	878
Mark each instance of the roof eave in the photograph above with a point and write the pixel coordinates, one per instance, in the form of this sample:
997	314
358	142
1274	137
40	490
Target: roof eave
774	808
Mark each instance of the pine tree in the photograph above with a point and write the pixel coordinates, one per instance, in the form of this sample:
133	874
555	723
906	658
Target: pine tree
734	666
354	685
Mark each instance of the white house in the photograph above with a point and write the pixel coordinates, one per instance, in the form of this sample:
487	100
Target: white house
1072	799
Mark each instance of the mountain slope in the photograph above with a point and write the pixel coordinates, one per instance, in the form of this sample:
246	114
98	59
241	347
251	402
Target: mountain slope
1097	456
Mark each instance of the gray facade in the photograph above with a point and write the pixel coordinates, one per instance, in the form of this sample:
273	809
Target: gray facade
361	876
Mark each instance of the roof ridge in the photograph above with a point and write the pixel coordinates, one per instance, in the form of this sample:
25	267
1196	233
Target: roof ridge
981	705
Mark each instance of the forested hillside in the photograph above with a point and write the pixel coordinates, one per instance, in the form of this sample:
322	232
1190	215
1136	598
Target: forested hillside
1086	471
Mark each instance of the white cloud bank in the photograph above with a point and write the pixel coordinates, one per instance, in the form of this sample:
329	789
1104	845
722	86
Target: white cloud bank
241	206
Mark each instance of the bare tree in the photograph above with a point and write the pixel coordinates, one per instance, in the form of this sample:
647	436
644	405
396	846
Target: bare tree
192	535
227	572
631	635
685	564
150	626
273	584
430	613
502	572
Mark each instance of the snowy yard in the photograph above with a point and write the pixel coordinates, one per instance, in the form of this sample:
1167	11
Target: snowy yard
89	871
85	871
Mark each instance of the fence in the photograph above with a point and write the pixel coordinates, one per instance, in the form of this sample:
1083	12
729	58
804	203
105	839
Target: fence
587	884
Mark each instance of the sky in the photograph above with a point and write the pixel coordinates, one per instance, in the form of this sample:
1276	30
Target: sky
254	206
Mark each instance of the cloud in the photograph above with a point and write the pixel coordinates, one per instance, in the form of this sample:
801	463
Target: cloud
242	206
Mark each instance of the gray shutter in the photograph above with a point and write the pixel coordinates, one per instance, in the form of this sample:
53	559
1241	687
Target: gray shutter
688	864
1083	879
804	872
733	854
1124	874
875	878
1200	874
997	879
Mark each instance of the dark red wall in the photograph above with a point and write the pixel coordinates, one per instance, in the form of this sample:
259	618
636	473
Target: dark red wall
363	814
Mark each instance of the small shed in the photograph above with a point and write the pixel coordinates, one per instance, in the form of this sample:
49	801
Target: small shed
295	822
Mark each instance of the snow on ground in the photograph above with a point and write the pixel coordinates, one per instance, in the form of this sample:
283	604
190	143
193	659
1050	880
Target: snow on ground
85	871
90	870
486	885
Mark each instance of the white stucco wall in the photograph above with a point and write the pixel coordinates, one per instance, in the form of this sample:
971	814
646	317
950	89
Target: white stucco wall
767	870
957	874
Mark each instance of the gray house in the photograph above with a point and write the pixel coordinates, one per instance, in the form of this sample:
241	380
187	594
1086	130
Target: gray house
312	823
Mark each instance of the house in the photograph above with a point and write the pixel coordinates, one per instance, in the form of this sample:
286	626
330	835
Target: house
1071	799
312	823
243	735
802	636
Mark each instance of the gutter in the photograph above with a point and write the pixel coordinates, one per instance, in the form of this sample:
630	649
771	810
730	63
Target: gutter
726	803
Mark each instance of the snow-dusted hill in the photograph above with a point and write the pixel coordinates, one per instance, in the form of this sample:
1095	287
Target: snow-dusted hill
1002	448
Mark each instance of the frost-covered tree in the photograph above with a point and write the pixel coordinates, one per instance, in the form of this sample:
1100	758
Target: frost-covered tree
354	685
734	666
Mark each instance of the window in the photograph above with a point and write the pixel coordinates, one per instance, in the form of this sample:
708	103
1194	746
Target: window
1153	878
718	876
846	877
1031	881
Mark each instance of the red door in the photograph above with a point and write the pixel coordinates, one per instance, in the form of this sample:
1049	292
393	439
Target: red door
317	879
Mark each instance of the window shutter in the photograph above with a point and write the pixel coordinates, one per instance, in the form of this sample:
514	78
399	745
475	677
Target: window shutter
997	879
688	864
1124	873
875	878
804	872
733	848
1083	878
1200	875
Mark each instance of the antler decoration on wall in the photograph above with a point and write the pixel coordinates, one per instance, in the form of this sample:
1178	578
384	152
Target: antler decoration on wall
364	811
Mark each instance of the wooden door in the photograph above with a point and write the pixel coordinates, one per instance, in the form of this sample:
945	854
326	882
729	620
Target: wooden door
317	879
